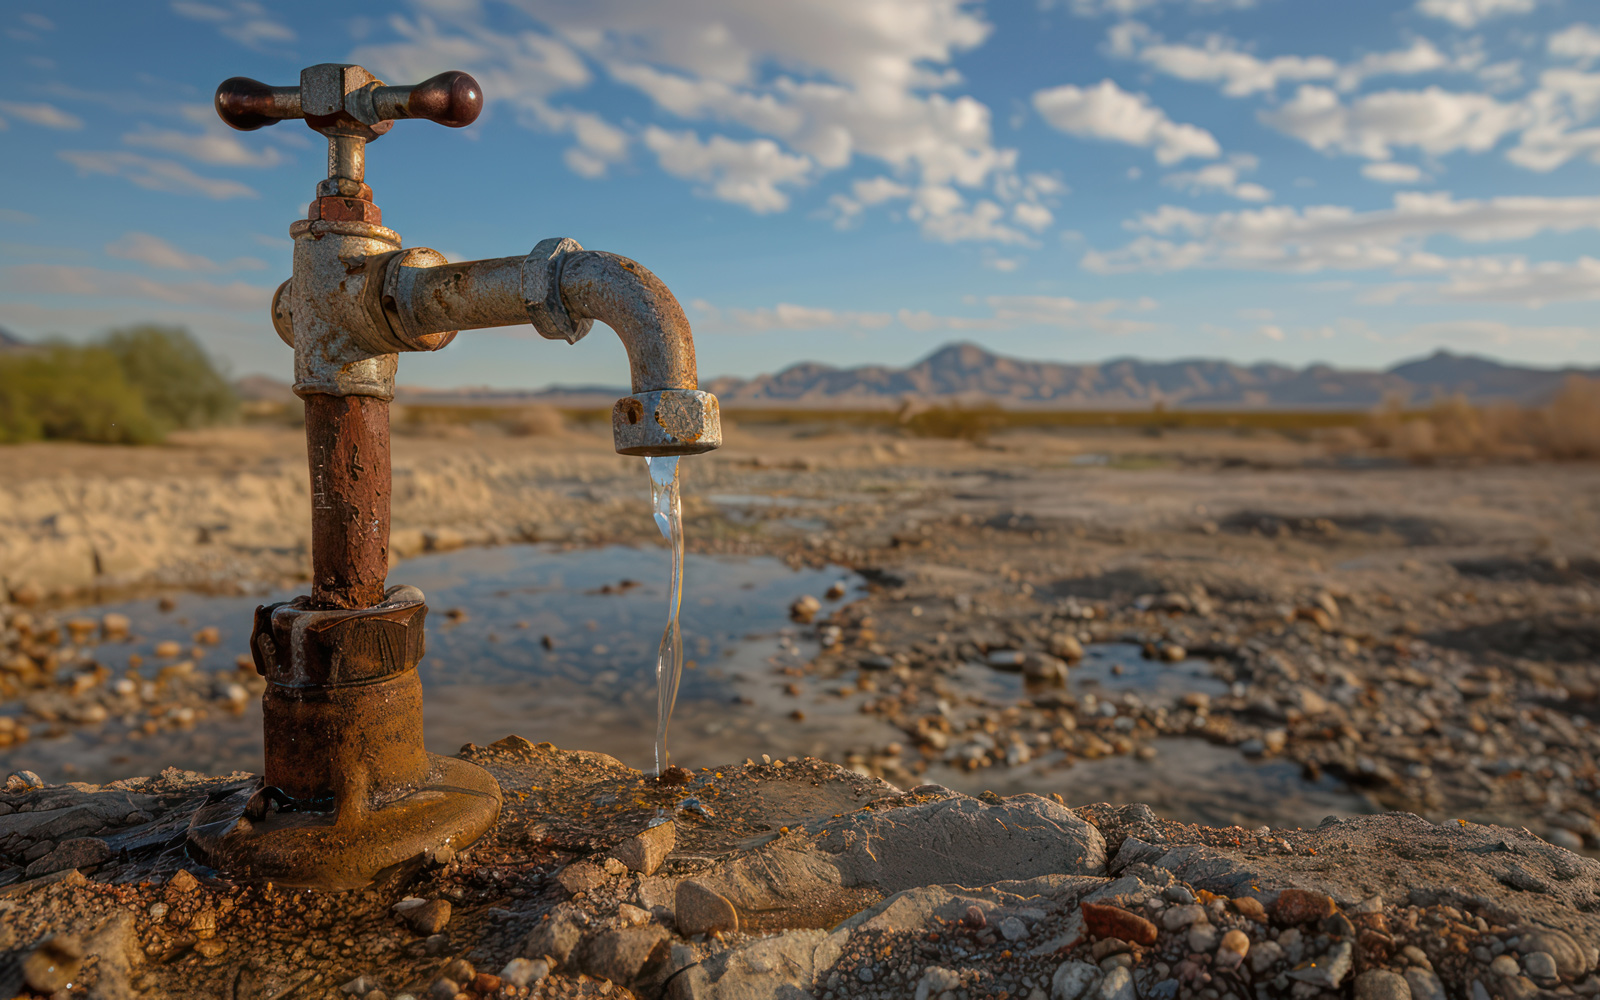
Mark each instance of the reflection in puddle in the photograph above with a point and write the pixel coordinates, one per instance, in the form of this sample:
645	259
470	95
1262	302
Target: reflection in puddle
524	639
561	646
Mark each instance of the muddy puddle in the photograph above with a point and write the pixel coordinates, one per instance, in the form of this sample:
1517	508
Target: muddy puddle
561	646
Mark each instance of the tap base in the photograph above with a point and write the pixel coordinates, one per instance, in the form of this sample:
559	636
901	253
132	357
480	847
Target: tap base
335	849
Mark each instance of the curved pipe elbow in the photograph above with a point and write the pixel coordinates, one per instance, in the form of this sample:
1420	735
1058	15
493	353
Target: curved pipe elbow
627	297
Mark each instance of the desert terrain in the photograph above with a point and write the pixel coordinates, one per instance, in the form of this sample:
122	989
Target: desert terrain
1391	635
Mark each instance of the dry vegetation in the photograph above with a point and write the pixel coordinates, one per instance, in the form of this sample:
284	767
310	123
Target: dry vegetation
1567	428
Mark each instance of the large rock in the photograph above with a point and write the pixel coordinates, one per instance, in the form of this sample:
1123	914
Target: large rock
962	840
624	954
781	967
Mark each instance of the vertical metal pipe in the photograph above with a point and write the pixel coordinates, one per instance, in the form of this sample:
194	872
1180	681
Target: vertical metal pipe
347	445
347	158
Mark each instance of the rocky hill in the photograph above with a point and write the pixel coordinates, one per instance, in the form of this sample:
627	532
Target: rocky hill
967	371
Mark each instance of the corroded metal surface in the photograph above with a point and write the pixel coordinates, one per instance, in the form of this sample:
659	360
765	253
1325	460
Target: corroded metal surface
347	445
348	789
352	845
340	348
669	422
342	695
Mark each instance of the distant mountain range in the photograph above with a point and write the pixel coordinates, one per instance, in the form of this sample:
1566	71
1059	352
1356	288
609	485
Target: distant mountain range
969	373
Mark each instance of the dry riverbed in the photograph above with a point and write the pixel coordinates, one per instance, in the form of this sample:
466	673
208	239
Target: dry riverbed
1100	616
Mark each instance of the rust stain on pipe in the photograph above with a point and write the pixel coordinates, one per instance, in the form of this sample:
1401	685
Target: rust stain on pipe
627	297
347	445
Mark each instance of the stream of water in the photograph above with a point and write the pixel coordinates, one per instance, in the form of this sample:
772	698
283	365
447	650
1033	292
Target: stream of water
667	503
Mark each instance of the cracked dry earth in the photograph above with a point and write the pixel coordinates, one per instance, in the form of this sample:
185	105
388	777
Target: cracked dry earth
799	878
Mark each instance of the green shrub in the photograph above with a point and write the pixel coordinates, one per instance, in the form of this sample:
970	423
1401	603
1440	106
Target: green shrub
130	387
63	392
182	389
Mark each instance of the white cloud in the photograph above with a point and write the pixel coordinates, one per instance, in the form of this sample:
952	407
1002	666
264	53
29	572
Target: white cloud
1106	111
1525	283
54	279
1123	8
1270	331
46	115
945	216
1005	312
1493	333
157	252
155	175
787	316
1470	13
1578	41
1564	99
1221	178
1389	172
217	144
745	173
243	21
1223	61
827	81
1333	237
1434	120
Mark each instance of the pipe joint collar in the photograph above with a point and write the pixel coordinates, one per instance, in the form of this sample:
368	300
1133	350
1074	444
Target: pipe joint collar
667	422
541	291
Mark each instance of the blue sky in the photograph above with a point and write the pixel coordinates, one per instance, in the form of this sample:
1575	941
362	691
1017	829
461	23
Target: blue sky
850	181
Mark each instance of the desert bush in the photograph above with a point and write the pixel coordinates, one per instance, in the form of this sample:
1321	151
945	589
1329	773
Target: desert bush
952	422
1566	428
64	392
129	387
182	389
534	421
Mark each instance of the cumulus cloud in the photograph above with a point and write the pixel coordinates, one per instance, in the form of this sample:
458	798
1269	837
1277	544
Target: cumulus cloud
216	144
157	252
1389	172
1522	282
1564	99
745	173
45	115
1106	111
827	82
55	279
1494	333
1222	61
243	21
1578	41
1221	178
1124	8
1471	13
1334	237
1434	120
155	175
1005	312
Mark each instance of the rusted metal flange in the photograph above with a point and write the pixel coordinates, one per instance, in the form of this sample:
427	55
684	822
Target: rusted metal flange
349	790
260	835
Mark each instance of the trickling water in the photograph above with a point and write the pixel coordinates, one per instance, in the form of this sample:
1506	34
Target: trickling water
668	507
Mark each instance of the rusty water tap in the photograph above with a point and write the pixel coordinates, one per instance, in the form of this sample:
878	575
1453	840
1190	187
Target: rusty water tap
348	790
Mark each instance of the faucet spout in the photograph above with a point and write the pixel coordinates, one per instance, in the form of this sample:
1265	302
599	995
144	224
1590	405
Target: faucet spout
562	289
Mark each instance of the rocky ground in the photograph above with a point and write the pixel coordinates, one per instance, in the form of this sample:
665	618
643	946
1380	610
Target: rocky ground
1422	636
797	878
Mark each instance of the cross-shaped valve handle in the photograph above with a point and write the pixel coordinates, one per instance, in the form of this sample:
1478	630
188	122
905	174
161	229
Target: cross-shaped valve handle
341	100
351	107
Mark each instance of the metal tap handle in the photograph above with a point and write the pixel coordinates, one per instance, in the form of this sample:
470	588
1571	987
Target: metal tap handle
333	96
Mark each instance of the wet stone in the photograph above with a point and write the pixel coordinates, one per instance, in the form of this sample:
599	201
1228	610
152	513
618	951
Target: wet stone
581	876
520	972
1073	980
1298	906
80	852
1540	966
1572	961
431	917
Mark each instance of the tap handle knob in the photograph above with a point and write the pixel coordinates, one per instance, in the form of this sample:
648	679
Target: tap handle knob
247	104
452	99
339	99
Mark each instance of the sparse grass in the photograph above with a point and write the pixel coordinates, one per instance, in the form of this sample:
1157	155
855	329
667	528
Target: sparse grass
1567	428
517	421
